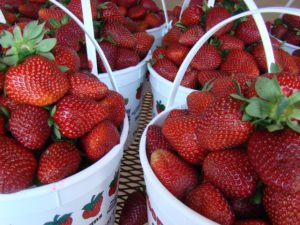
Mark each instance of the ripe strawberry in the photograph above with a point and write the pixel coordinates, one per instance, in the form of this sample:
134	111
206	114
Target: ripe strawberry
292	37
296	60
10	17
251	222
8	104
198	101
181	133
279	30
36	81
244	208
110	52
196	2
30	10
176	11
166	69
141	26
127	3
209	202
13	3
1	81
240	61
231	172
175	174
177	52
207	58
68	57
116	107
221	125
144	43
131	25
18	166
190	79
120	34
86	85
247	31
136	12
59	160
172	36
282	208
126	58
76	116
156	140
134	211
287	62
229	42
178	113
149	5
50	13
216	15
2	125
153	20
192	15
205	76
93	208
291	20
275	160
100	140
123	10
159	53
110	13
191	35
75	7
28	124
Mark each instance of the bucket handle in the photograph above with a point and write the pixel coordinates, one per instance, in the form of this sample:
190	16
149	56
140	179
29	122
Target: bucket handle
208	34
289	3
2	18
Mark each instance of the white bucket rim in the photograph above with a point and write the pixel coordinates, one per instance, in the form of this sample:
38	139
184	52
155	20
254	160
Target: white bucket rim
286	43
154	29
75	178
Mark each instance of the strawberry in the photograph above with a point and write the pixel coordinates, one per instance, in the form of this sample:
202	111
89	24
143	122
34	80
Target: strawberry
216	15
172	36
178	113
141	26
126	58
175	174
296	60
2	78
247	31
287	62
2	125
51	13
209	202
93	208
10	17
221	125
8	103
38	1
251	222
30	10
192	15
36	81
196	2
245	208
28	124
240	61
282	208
76	116
18	166
120	34
86	85
59	160
177	52
75	7
279	29
191	35
110	13
153	20
149	5
159	53
144	43
181	133
198	101
231	172
134	211
67	57
131	25
291	20
275	160
292	37
205	76
110	52
13	3
127	3
207	58
166	69
229	42
156	140
190	79
100	140
136	12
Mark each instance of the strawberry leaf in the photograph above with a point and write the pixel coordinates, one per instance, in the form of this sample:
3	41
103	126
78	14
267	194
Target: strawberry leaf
50	122
63	68
54	23
3	67
267	88
18	34
57	133
65	19
293	125
33	30
295	114
46	45
7	39
10	60
4	111
48	55
258	108
275	68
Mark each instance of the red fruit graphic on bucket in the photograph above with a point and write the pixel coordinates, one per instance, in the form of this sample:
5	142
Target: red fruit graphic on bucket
126	100
93	208
61	220
114	184
139	92
159	106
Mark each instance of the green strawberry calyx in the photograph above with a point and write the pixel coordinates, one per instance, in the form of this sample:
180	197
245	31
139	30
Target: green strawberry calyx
23	43
271	108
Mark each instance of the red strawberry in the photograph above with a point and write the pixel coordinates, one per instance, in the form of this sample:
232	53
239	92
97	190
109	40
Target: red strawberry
156	140
282	208
209	202
111	13
141	26
181	133
8	103
216	15
51	13
175	174
36	81
86	85
296	60
134	211
221	125
176	11
229	42
28	124
178	113
110	52
251	222
75	7
127	3
205	76
18	166
292	37
144	43
177	52
126	58
68	57
207	58
100	140
172	36
245	208
123	10
198	101
191	35
192	15
287	62
159	53
2	125
130	25
149	5
93	208
279	30
247	31
240	61
30	10
291	20
10	17
60	160
275	159
196	2
153	20
166	69
136	12
231	172
1	81
76	116
190	79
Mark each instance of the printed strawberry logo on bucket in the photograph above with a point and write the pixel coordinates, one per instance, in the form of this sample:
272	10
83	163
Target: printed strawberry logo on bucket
93	208
159	106
63	220
114	184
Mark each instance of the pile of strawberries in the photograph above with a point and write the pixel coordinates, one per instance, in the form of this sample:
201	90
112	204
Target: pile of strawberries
55	119
235	48
234	156
287	29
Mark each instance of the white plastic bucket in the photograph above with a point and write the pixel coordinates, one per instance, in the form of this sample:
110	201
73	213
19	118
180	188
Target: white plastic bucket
158	33
163	207
67	198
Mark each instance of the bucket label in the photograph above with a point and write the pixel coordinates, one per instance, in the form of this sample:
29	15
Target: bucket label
61	220
153	218
93	208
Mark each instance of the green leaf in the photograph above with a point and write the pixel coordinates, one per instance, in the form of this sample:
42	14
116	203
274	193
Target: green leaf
238	97
57	133
294	98
4	111
63	68
65	19
258	108
3	67
10	60
48	55
275	68
267	89
50	122
295	114
38	38
7	39
246	117
32	30
293	125
53	110
46	45
54	23
275	127
18	34
282	105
